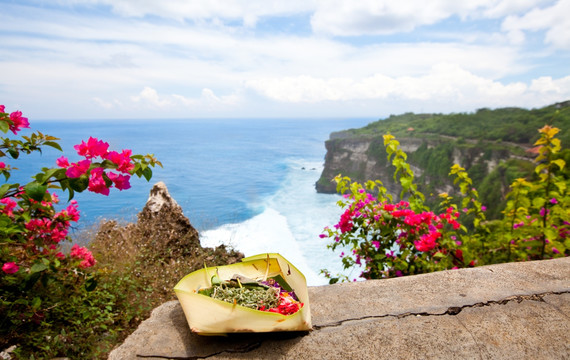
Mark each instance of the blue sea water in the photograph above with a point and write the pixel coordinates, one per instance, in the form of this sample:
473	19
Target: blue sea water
248	183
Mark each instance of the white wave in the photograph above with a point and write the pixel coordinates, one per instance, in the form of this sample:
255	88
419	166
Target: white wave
290	225
267	232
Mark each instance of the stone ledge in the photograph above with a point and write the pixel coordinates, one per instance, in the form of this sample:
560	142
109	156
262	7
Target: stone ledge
514	310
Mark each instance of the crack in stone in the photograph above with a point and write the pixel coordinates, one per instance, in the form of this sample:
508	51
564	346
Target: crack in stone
454	310
243	349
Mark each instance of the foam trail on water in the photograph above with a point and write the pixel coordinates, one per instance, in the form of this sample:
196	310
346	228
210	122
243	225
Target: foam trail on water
290	225
267	232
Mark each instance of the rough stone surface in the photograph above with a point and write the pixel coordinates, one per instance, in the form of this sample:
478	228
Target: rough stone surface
507	311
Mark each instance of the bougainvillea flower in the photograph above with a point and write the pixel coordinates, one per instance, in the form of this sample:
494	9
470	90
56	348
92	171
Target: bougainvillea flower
2	165
77	169
9	206
92	148
62	162
10	268
18	122
83	254
121	181
97	183
122	160
2	108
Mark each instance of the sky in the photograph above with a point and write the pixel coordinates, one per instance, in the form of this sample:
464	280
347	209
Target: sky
150	59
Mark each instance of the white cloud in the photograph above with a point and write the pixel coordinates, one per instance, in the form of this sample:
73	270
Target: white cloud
445	83
369	17
552	19
209	100
150	96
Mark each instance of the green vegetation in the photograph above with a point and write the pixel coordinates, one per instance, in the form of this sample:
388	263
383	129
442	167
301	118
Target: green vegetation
494	146
384	238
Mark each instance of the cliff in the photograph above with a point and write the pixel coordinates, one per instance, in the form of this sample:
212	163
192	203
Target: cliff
507	311
495	146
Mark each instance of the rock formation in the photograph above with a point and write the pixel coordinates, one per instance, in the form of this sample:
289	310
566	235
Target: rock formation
162	239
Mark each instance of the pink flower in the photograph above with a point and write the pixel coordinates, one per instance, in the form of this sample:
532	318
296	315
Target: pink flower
83	254
555	250
72	211
97	183
427	241
9	206
10	268
18	122
376	244
92	148
345	223
483	208
77	169
60	255
553	201
122	160
121	181
518	225
2	108
2	165
62	162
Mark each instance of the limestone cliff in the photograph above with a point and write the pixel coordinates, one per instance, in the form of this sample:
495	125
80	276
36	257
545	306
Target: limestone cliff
363	157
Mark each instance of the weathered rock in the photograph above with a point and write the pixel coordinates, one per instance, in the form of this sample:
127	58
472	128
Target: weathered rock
507	311
163	240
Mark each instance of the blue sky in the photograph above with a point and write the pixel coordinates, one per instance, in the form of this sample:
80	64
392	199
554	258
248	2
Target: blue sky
114	59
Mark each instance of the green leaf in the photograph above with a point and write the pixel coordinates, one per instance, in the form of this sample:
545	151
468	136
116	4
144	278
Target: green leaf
35	191
538	202
3	189
90	284
79	184
147	173
13	153
54	145
36	303
4	126
38	267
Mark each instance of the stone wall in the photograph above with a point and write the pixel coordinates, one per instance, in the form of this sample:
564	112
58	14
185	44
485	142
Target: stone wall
507	311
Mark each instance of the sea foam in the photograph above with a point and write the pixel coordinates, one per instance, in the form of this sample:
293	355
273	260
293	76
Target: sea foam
290	224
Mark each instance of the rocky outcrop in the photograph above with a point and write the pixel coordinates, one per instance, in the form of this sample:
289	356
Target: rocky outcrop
162	239
507	311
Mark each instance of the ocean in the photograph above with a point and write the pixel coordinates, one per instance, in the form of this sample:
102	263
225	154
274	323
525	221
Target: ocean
246	183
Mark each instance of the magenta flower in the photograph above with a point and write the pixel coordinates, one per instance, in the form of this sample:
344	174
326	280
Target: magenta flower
2	109
62	162
9	206
92	148
77	169
483	208
553	201
376	244
18	122
2	165
10	268
97	183
121	181
83	254
122	160
555	250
